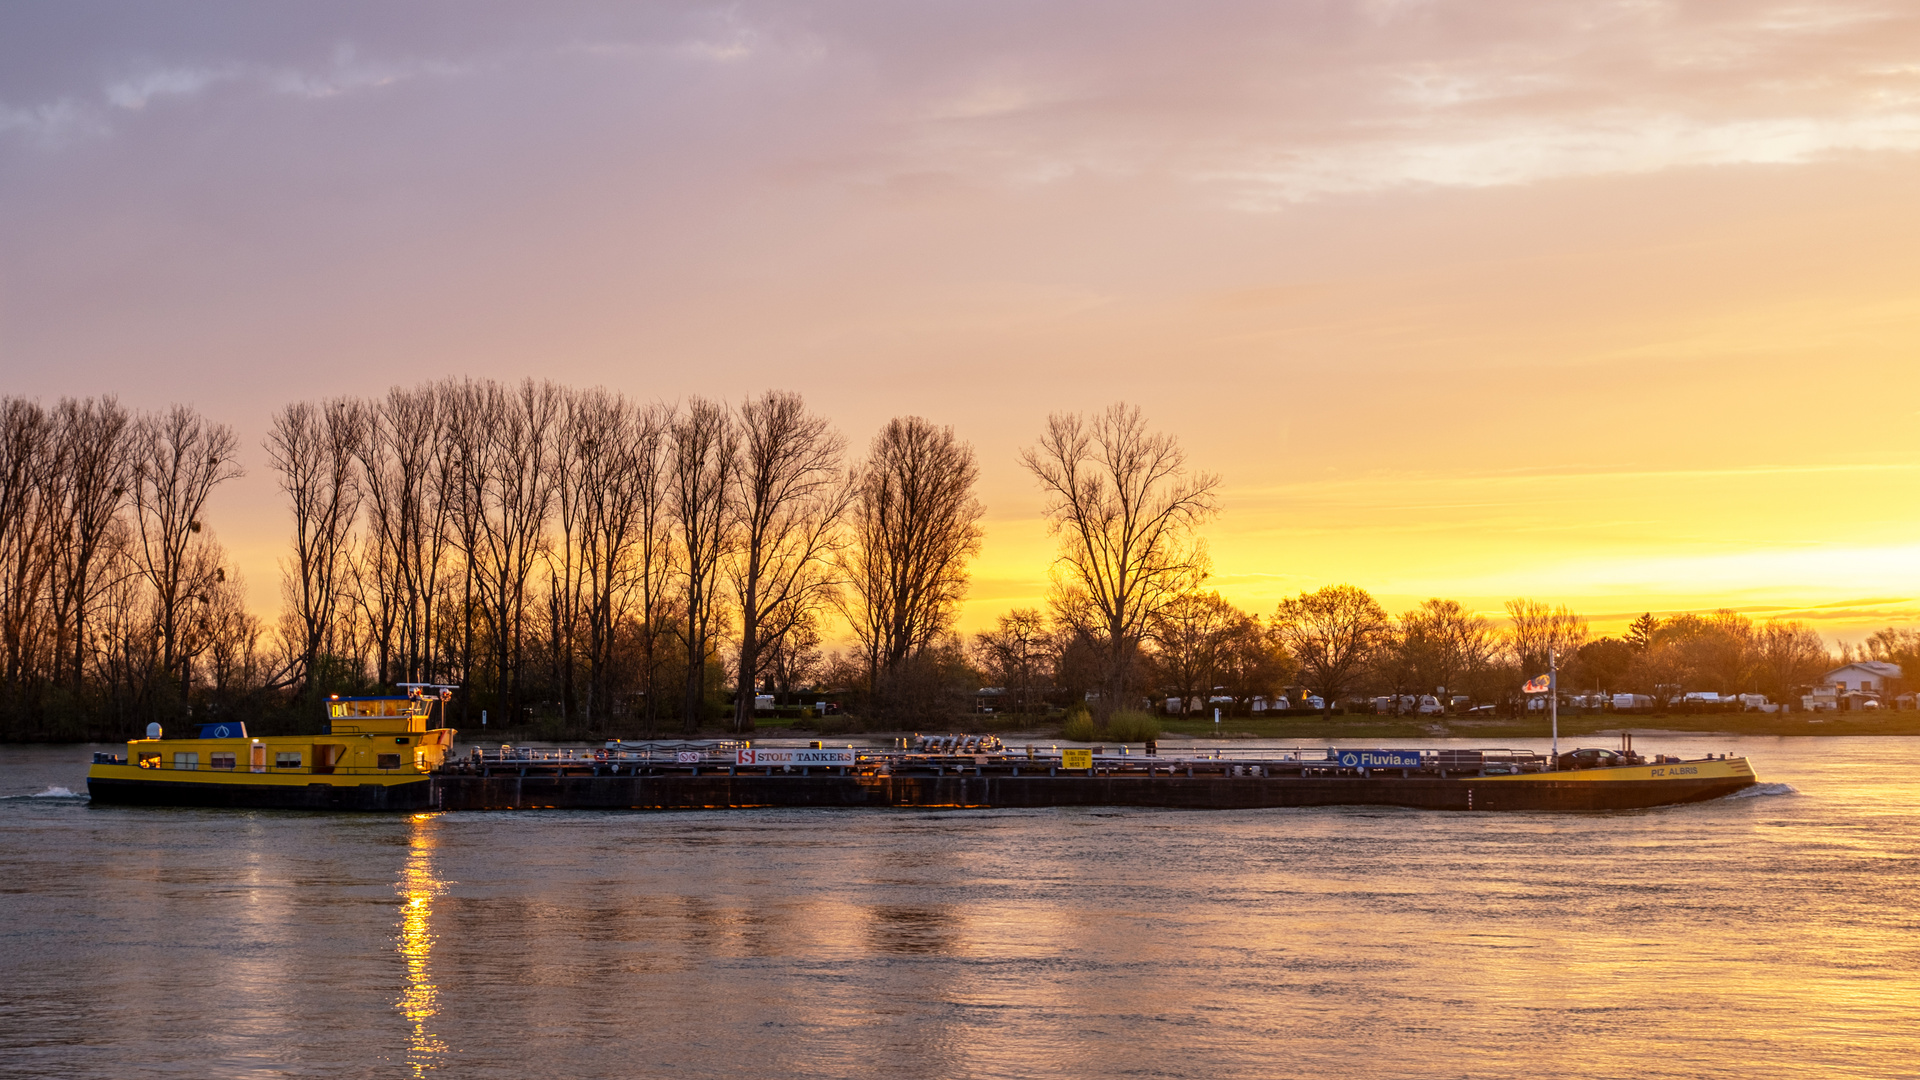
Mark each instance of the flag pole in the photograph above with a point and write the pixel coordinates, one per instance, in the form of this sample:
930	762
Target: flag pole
1553	701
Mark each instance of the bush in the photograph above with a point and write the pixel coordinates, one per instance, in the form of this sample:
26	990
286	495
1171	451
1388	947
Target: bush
1079	726
1132	727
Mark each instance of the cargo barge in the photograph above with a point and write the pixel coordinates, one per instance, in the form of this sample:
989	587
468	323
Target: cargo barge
386	754
687	779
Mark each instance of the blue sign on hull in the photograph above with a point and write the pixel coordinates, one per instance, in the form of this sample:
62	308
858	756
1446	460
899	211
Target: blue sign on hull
1379	759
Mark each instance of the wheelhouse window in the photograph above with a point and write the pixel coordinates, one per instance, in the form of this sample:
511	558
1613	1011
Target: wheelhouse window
220	761
185	760
286	759
388	761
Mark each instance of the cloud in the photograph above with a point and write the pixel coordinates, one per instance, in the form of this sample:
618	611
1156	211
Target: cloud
1264	106
1535	151
1449	93
347	73
52	121
350	73
134	93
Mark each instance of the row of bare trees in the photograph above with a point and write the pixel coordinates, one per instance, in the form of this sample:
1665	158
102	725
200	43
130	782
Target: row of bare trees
629	558
115	599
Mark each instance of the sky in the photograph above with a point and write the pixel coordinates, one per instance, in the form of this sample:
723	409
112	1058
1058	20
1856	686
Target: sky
1611	304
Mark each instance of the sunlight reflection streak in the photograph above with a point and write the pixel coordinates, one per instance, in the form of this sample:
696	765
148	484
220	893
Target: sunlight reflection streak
419	1000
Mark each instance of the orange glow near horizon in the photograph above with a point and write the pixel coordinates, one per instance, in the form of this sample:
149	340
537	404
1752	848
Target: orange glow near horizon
1608	306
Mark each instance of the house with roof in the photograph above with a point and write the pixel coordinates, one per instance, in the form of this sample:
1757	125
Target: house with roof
1863	676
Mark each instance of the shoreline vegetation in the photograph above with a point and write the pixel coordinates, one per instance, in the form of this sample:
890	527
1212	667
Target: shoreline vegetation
574	564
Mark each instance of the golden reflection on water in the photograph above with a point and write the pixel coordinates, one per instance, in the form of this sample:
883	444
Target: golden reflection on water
419	1001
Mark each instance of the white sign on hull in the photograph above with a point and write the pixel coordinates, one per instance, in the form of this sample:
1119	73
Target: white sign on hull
758	756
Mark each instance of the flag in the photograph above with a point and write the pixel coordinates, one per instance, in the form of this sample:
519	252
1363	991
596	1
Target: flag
1538	686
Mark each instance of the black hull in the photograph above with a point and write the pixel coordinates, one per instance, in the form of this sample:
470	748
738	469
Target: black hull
720	791
410	796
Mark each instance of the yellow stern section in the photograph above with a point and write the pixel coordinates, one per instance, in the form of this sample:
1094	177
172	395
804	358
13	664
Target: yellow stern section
1714	769
347	758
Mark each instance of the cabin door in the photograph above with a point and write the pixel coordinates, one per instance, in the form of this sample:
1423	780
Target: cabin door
258	763
326	756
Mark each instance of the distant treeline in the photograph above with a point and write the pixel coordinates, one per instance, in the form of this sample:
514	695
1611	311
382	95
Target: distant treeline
1339	644
575	558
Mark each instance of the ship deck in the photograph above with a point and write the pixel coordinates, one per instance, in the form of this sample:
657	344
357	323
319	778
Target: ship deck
646	778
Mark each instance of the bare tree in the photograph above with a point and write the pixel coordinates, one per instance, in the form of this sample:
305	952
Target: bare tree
790	493
179	459
407	496
469	409
1447	642
312	448
1889	645
650	570
607	565
519	497
1396	661
1251	662
1018	654
28	466
595	484
1539	629
125	657
1125	506
496	474
1721	656
574	451
93	452
916	523
1331	633
1788	656
703	459
238	667
793	649
1188	633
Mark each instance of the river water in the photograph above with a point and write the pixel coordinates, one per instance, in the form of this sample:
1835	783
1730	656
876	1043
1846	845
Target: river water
1774	934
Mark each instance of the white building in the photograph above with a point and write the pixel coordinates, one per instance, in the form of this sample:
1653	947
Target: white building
1866	676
